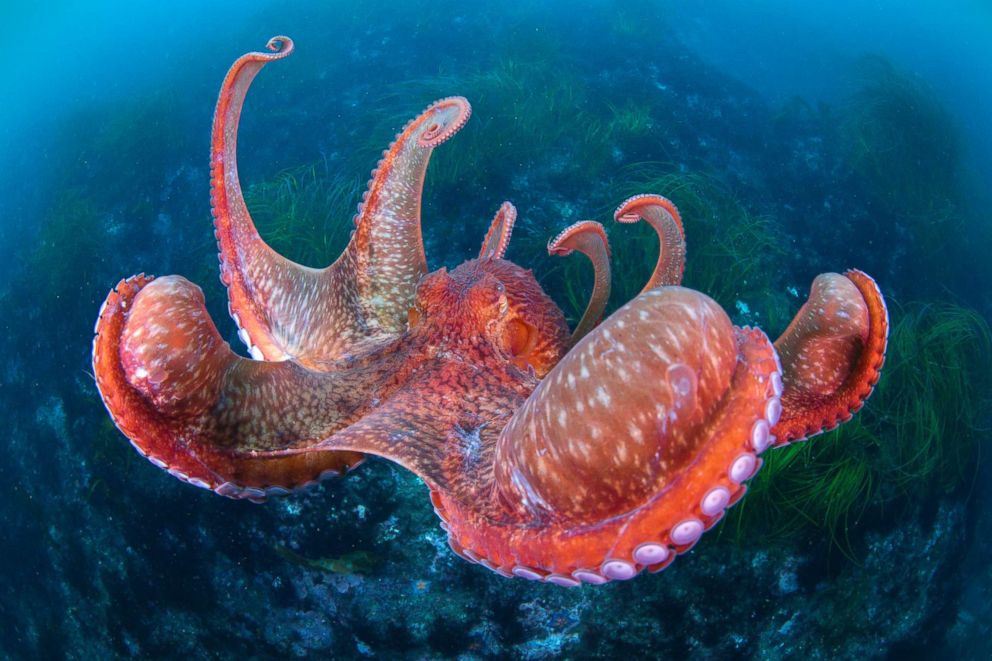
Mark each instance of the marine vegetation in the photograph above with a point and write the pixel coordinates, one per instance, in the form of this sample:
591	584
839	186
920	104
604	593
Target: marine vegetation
563	120
302	212
904	148
356	562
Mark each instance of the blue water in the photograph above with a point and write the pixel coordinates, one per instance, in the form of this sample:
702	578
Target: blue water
104	172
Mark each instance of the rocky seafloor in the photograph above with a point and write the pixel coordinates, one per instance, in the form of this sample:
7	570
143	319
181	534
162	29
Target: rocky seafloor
140	565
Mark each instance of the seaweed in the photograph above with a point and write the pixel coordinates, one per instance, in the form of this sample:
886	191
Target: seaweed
903	145
70	239
356	562
529	112
305	213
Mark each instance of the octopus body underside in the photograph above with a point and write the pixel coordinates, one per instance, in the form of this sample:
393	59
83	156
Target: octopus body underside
570	457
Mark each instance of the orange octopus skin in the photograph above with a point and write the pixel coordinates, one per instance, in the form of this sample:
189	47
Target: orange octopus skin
565	459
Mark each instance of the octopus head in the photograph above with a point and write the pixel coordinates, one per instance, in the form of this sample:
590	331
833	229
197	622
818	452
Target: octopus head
497	303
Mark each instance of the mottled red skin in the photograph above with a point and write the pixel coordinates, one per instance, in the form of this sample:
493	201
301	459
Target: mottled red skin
807	413
564	459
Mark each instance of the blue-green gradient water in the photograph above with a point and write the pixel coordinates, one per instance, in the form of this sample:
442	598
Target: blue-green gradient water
796	138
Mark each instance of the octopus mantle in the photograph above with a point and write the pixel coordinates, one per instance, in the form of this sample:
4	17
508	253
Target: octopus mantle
549	455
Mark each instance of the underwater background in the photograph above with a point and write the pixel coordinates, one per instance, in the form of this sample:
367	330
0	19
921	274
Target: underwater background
795	138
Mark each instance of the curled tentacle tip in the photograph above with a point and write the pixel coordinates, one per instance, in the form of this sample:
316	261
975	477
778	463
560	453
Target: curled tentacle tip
630	210
507	214
443	119
562	246
661	214
280	45
498	237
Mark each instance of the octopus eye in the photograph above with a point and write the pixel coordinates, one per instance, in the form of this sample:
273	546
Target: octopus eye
519	341
413	317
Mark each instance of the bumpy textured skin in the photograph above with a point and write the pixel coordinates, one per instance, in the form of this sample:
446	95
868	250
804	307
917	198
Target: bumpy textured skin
498	237
832	354
571	460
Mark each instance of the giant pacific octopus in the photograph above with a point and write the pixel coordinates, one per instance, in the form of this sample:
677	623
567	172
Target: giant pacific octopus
561	457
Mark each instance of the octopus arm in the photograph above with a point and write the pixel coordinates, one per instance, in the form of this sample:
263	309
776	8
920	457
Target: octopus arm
832	354
628	449
314	316
385	258
661	214
498	237
211	418
589	238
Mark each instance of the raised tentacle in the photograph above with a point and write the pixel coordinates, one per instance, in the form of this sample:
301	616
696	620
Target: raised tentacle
244	257
832	355
208	416
589	238
629	449
288	311
662	215
385	258
498	237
